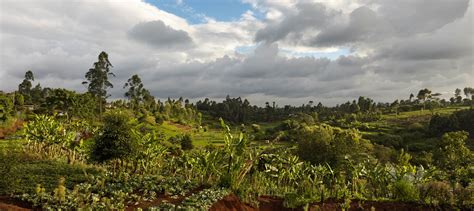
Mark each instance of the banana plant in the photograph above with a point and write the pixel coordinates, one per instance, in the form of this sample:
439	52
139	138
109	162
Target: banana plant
150	154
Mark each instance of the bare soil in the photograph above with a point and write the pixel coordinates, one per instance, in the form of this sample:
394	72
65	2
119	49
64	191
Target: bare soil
4	132
268	203
9	203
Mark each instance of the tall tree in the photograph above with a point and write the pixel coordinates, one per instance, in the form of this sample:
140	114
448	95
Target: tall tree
136	92
25	87
98	79
457	95
423	95
469	91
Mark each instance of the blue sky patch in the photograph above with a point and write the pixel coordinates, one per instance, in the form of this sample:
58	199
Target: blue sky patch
196	11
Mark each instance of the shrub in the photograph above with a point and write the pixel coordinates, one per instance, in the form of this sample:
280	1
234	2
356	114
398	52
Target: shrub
186	142
416	127
442	124
115	139
256	128
436	192
404	190
466	120
322	144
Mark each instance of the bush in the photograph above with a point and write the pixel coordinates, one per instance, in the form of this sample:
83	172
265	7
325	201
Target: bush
459	120
186	142
416	127
322	144
466	120
442	124
115	139
404	190
436	192
256	128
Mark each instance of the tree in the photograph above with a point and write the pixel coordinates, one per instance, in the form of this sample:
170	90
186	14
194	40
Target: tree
457	95
469	91
60	100
423	95
136	92
25	87
453	155
98	78
411	97
6	106
441	124
322	144
395	105
115	140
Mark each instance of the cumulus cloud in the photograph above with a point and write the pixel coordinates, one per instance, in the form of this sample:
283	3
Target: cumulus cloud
380	48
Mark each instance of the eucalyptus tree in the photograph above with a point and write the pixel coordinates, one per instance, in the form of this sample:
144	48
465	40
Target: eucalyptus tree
423	95
98	78
457	95
469	91
24	87
136	92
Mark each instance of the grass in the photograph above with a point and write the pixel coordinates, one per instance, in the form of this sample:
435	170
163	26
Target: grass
426	112
20	173
392	129
200	138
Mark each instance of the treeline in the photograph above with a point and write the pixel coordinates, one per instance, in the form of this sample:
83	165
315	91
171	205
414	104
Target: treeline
238	110
235	110
91	104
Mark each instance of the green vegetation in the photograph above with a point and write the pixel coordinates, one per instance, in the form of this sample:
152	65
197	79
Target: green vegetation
78	151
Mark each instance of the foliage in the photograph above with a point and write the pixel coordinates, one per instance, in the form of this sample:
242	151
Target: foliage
136	92
404	190
454	157
436	192
51	138
459	120
25	87
97	78
6	107
186	142
202	200
115	138
325	144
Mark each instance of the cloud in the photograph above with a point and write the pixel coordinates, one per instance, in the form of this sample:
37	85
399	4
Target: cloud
306	17
363	25
159	35
421	16
379	48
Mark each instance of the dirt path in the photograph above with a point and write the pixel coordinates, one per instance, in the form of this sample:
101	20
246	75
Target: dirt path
9	203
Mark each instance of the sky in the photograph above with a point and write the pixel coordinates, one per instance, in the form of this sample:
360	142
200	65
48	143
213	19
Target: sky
287	51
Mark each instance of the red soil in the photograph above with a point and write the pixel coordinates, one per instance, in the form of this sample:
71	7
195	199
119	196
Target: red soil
4	132
233	203
9	203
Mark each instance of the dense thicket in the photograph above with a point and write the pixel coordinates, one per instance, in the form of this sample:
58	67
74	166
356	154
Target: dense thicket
459	120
